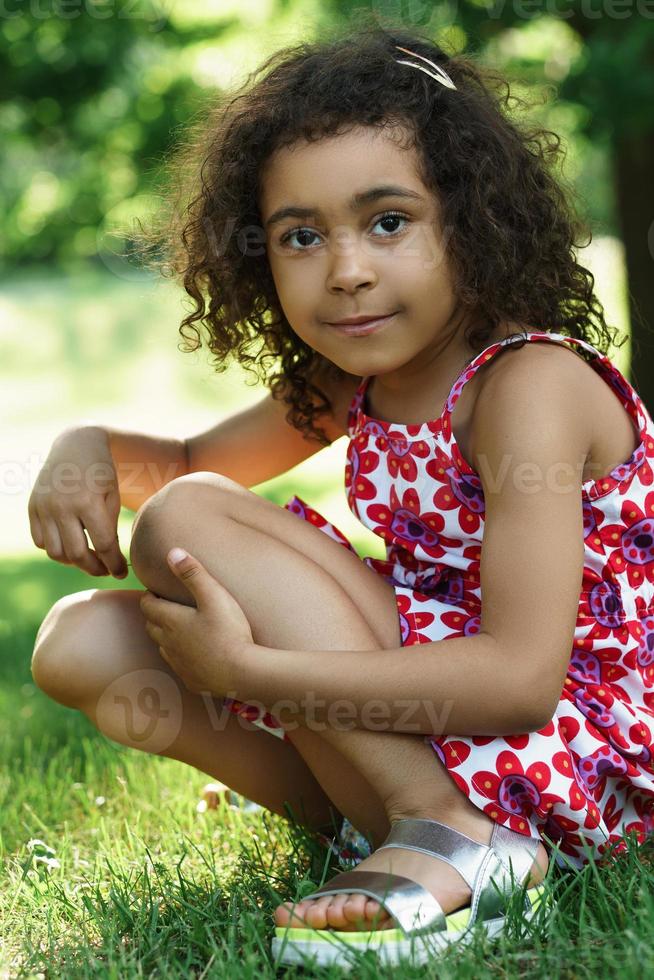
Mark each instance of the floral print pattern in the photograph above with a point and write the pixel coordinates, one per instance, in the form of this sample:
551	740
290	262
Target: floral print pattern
587	778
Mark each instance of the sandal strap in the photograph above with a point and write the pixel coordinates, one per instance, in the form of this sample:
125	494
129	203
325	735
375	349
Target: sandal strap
438	840
414	908
515	849
492	871
512	859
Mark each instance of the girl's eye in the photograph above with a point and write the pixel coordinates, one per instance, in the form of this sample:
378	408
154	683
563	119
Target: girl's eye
389	216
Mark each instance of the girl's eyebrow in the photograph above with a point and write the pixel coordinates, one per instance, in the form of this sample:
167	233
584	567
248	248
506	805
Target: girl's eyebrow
356	201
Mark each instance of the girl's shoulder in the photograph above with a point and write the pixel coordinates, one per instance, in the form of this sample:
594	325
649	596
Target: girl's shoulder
518	364
613	434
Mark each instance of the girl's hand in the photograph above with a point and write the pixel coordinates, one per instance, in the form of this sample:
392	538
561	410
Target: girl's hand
204	646
77	490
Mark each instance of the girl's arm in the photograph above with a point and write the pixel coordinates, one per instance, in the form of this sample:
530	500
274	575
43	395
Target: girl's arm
530	444
258	443
144	463
250	446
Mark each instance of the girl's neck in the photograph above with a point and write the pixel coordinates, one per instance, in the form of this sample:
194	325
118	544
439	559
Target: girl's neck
419	397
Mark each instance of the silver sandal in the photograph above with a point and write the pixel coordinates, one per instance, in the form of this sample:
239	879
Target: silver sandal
493	872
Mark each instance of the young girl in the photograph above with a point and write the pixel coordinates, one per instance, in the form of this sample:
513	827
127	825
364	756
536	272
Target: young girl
368	220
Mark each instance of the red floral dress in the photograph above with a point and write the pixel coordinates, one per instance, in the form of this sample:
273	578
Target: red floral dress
587	777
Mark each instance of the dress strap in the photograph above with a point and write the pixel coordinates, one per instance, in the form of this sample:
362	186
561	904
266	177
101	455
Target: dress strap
356	403
604	366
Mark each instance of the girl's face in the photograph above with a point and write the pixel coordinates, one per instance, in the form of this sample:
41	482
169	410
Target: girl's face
332	257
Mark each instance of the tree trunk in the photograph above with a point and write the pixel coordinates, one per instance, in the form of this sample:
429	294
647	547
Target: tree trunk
634	191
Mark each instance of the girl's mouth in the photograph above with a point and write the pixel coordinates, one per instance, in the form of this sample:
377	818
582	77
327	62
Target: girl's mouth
362	329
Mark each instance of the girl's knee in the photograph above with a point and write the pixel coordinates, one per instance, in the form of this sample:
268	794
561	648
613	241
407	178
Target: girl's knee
74	648
169	518
167	508
56	664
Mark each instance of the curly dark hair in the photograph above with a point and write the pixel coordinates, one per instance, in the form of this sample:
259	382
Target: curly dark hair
514	228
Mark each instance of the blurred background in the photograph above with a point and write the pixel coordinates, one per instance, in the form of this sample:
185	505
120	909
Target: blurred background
93	95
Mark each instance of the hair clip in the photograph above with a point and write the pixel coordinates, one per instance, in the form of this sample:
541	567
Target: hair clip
440	76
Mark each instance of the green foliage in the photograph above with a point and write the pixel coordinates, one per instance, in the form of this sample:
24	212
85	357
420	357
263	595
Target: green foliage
96	94
94	102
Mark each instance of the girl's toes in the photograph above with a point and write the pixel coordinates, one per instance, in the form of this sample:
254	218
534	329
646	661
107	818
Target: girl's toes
316	913
377	915
290	915
335	917
354	909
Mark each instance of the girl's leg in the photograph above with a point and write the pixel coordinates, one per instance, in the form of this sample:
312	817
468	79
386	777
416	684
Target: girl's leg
92	653
320	597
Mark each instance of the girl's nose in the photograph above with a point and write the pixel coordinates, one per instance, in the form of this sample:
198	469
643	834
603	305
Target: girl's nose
349	264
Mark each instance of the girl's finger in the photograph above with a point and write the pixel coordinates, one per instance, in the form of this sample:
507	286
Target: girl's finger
35	528
154	609
104	535
53	545
77	549
154	632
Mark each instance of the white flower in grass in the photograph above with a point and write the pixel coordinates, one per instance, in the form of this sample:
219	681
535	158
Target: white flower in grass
42	854
50	864
39	848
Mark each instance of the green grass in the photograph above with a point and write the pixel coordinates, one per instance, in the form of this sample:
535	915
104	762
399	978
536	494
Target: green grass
131	880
